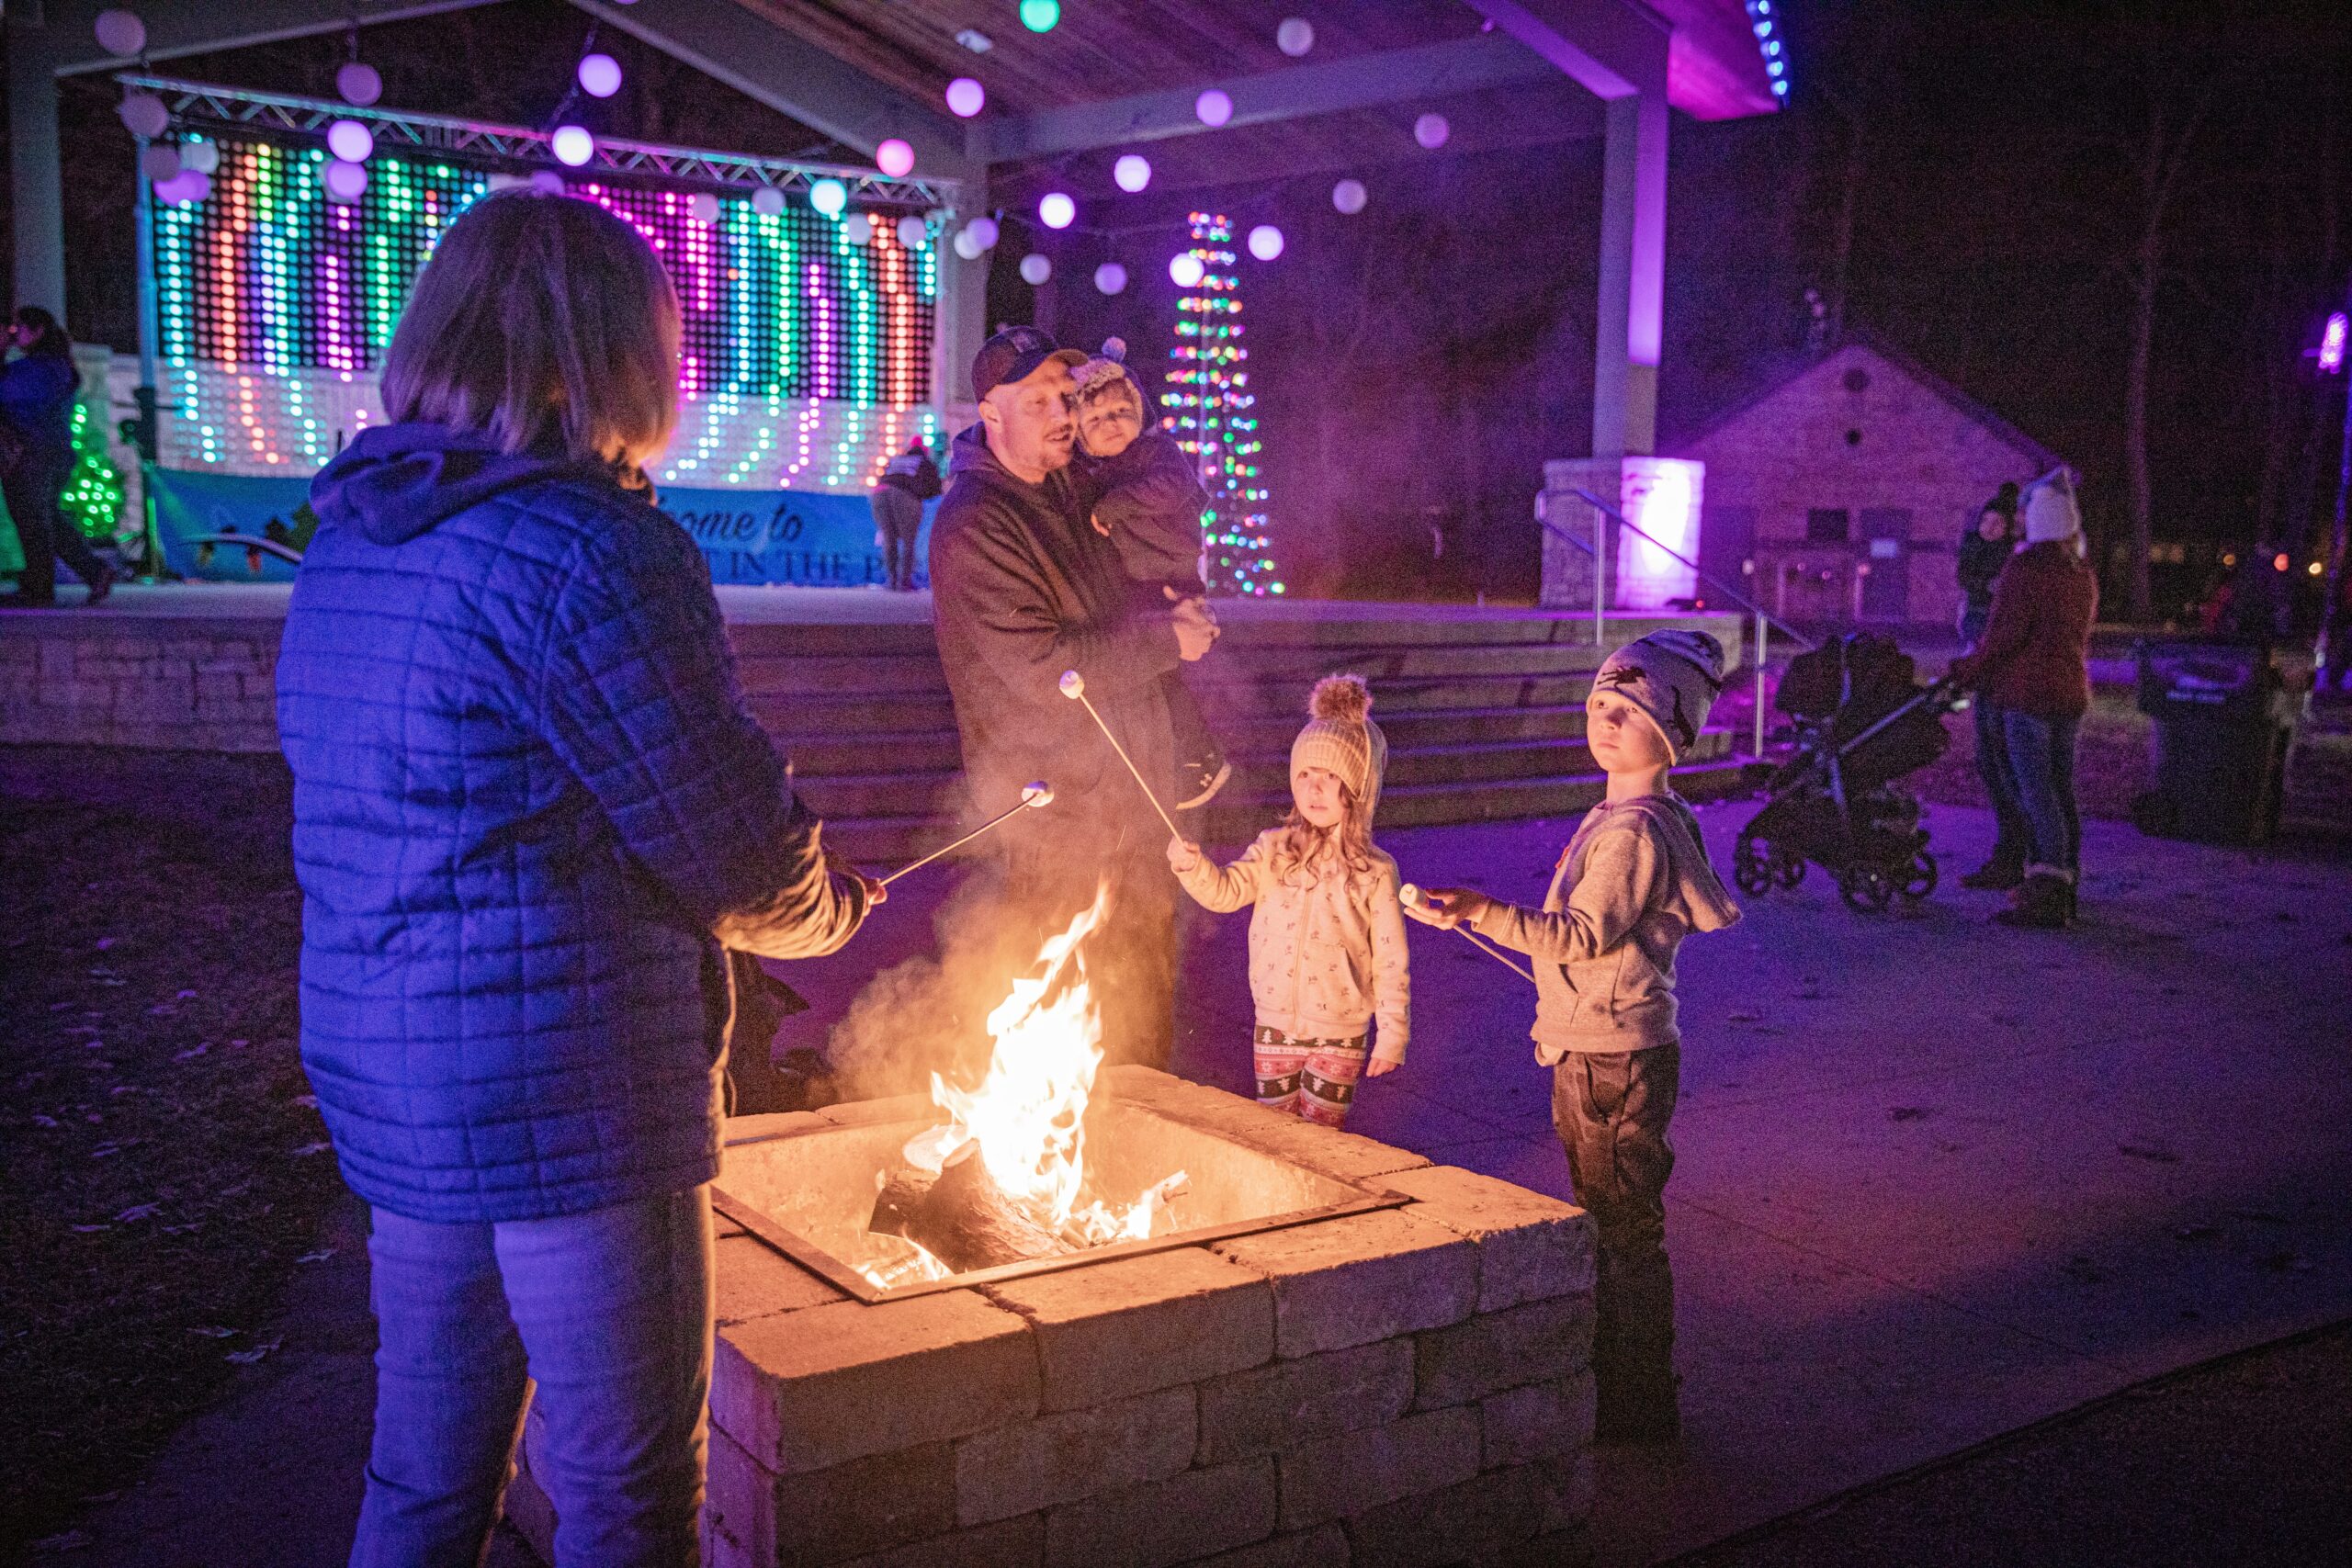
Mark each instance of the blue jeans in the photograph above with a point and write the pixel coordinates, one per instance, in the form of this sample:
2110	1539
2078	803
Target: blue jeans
2011	831
608	1314
2041	752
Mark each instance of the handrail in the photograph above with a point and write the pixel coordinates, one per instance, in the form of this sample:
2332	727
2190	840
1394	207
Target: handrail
1727	591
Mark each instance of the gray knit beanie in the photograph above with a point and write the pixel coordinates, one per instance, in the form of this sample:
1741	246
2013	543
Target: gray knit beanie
1672	677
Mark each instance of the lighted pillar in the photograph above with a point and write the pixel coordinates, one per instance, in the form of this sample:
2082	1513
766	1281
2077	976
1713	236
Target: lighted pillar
1659	496
36	192
962	324
1632	276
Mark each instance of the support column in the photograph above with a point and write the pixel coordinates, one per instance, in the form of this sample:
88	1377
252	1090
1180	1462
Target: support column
35	191
962	324
1632	277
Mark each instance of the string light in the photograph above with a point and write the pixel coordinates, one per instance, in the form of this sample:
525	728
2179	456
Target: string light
966	97
92	500
1765	26
1211	411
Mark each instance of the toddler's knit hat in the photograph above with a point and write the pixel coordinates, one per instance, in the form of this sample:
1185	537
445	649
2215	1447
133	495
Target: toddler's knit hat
1340	735
1106	375
1672	677
2050	512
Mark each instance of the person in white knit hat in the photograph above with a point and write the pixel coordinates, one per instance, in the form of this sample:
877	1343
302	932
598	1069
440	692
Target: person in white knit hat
1632	884
1327	937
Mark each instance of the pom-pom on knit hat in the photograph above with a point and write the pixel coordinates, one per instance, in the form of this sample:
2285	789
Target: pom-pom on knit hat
1672	678
1340	735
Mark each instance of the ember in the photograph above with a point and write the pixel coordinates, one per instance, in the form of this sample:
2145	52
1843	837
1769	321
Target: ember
1004	1179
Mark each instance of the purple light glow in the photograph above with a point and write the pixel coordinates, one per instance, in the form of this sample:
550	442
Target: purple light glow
2331	345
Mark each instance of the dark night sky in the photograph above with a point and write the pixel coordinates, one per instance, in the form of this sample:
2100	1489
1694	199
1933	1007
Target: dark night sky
1433	352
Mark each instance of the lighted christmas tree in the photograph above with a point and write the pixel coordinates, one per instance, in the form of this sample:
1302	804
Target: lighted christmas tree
1209	411
92	497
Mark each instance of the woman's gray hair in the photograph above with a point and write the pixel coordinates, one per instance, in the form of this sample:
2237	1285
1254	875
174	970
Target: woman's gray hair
547	322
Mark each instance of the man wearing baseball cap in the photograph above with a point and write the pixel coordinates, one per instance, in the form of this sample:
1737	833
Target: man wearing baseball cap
1024	589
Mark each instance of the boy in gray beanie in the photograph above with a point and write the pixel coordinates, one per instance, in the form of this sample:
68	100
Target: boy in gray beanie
1632	884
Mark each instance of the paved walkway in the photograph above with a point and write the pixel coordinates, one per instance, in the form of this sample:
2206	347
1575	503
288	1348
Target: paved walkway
1937	1181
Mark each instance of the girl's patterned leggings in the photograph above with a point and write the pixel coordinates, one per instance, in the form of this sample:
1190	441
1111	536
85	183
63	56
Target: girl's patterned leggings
1313	1079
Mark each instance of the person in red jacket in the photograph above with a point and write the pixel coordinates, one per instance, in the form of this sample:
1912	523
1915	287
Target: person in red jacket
2033	665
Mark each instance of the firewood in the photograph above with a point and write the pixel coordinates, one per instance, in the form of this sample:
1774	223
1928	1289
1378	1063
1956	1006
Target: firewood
961	1216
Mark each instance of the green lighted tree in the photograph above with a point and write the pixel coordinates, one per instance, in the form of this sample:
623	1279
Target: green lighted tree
1212	415
93	498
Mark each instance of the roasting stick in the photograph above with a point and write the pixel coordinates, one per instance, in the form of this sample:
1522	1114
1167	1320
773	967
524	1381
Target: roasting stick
1408	894
1034	797
1074	685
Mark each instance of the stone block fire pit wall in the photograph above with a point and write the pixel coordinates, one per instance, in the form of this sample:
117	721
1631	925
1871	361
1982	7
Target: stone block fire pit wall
1401	1384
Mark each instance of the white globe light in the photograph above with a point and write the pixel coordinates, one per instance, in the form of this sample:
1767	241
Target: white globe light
186	187
966	97
1430	131
143	114
1185	269
1265	241
1111	278
572	144
547	182
767	201
829	197
358	83
1056	211
350	140
702	207
1035	269
1295	36
1349	197
160	162
894	158
1214	106
600	75
913	233
202	156
984	232
967	246
346	181
120	32
1133	171
858	228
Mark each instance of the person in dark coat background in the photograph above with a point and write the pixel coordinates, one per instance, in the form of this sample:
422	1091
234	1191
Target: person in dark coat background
531	819
2033	665
37	390
1024	588
1986	547
908	481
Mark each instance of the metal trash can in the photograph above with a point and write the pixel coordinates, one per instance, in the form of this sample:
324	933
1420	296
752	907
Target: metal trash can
2221	738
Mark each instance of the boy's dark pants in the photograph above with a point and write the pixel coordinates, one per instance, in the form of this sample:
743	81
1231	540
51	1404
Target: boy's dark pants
1611	1110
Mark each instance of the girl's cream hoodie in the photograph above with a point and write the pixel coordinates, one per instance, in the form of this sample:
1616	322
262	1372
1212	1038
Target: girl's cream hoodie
1327	947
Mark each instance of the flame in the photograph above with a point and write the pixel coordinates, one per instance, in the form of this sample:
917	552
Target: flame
1028	1112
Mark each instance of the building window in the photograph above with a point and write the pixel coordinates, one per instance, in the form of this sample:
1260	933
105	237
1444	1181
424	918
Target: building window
1826	525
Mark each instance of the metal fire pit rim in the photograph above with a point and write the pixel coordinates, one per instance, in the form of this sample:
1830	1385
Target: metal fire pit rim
817	1260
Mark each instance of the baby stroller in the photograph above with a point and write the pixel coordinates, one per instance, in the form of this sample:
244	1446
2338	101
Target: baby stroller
1862	722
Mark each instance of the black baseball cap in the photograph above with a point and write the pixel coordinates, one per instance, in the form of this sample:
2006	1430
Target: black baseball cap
1011	355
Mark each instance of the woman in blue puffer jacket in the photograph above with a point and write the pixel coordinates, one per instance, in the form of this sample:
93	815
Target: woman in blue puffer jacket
531	818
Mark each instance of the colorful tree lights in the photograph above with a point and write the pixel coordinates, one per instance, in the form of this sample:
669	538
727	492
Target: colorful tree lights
1210	412
92	497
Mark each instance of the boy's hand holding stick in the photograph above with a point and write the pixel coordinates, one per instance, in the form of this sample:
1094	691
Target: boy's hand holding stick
1447	908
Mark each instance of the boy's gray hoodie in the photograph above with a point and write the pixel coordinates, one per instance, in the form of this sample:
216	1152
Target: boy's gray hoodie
1632	884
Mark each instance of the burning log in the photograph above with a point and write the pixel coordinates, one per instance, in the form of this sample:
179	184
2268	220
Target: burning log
961	1216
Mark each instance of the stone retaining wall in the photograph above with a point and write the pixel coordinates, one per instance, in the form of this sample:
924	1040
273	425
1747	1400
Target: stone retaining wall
1404	1386
186	682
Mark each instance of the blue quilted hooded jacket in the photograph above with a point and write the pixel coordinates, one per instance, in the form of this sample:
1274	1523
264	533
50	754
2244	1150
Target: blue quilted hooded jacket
529	811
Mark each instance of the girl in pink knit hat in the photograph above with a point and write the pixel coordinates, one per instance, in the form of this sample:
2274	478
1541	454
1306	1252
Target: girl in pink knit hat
1326	936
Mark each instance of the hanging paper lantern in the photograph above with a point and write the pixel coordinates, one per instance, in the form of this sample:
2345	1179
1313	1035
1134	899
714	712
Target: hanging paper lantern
1035	269
202	156
1039	16
1265	241
965	245
858	228
1214	106
1133	171
346	181
702	207
983	230
1295	36
1430	131
143	114
913	233
767	201
547	182
120	32
1349	197
573	145
358	84
829	197
1056	211
350	140
600	75
966	97
1111	278
161	162
1186	269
